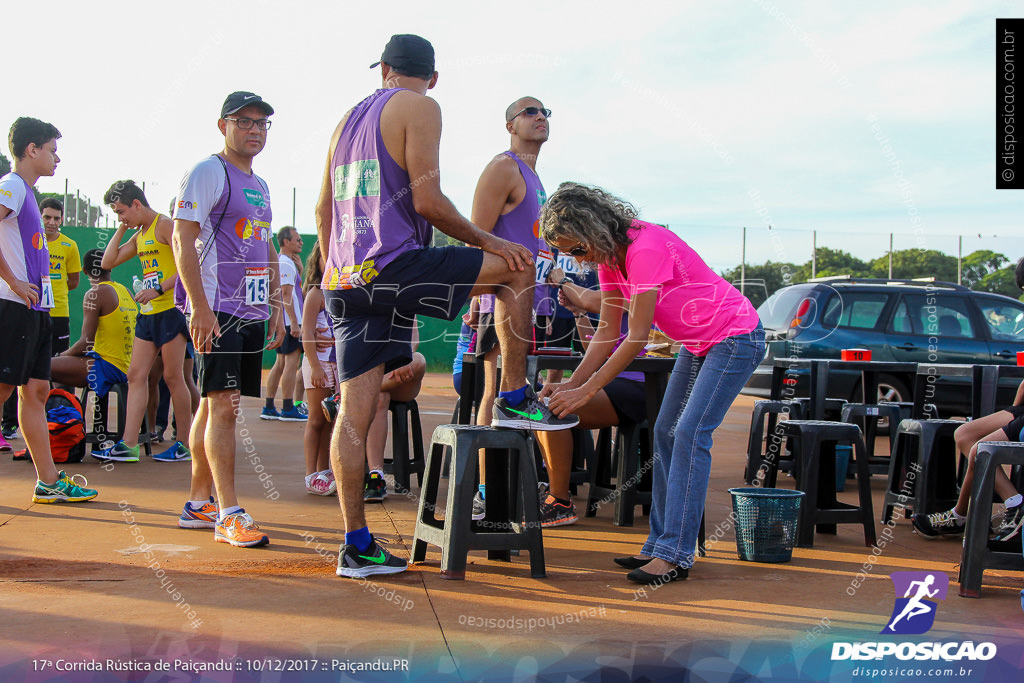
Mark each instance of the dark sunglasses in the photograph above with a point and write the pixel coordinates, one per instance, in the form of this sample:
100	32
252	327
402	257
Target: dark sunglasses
533	111
578	250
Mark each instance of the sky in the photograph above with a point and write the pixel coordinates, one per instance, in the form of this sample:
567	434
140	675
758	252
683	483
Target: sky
854	120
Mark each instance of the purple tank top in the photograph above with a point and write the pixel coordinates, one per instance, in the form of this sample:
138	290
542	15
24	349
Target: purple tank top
374	220
521	225
236	267
37	253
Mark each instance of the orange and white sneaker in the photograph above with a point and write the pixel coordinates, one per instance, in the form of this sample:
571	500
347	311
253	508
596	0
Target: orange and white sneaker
203	517
239	529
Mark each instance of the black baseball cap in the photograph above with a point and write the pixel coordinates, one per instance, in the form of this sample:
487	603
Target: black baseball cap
408	53
241	99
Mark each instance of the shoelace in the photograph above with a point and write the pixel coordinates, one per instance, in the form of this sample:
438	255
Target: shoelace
71	480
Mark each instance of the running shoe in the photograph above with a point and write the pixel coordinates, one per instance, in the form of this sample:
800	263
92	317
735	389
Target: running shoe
66	490
317	484
554	513
291	415
203	517
938	524
531	414
179	452
302	408
330	407
119	452
1012	520
10	432
332	485
479	507
375	560
239	529
4	446
376	489
270	414
157	435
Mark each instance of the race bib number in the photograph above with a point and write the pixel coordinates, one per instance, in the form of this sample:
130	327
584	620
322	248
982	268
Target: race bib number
545	263
568	265
46	293
151	280
257	286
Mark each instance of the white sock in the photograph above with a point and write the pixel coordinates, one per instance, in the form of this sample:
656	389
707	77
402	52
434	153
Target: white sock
379	472
1013	501
957	516
196	504
228	511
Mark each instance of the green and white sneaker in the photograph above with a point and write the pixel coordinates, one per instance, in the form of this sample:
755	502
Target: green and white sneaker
376	560
66	490
119	452
531	414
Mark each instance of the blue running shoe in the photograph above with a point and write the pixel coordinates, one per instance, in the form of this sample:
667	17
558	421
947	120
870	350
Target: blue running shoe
291	415
179	452
270	414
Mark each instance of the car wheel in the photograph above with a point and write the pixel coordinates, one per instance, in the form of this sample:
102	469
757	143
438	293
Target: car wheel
893	390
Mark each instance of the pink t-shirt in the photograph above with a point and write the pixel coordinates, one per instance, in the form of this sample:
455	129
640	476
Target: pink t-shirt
695	305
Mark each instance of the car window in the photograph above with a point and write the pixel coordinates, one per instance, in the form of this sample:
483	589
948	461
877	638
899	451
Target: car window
937	315
854	309
901	319
777	312
1005	319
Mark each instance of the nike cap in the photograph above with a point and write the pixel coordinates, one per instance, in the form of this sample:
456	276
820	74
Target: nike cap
408	53
240	100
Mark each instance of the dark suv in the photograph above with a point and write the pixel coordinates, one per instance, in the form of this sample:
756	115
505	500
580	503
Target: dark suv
898	320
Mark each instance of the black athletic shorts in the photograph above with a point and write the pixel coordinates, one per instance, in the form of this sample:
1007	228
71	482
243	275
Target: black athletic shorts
1014	427
60	335
290	344
628	398
235	361
373	323
160	328
25	343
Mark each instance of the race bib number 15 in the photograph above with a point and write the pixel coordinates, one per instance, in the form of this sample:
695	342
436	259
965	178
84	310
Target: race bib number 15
257	286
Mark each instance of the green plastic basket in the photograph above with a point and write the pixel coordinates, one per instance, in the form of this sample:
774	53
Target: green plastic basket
766	523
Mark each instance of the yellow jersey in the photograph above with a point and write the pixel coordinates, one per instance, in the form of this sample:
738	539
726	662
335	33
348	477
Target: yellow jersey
115	333
157	265
64	260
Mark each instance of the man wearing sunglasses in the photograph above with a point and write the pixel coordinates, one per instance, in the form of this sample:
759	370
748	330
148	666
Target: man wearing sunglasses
225	256
507	203
381	194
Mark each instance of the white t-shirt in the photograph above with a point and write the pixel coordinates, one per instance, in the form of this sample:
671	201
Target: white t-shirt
290	276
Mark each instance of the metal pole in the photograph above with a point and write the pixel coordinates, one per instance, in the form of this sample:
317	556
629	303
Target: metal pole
77	207
814	256
64	201
959	259
743	261
890	255
293	207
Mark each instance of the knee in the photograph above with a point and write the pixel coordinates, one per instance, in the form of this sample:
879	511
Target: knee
419	365
383	401
222	407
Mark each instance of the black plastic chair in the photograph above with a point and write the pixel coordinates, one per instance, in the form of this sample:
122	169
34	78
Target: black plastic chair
922	468
758	456
405	427
866	416
99	433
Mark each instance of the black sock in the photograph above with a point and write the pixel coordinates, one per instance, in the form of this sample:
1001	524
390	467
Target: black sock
270	403
286	404
561	501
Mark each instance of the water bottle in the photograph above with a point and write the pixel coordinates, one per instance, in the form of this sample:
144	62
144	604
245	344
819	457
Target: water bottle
137	286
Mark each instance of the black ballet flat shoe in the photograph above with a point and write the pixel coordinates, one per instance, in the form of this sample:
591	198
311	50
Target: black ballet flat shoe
642	577
629	562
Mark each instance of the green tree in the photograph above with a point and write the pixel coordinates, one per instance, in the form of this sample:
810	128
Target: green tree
908	264
439	239
761	281
5	165
832	262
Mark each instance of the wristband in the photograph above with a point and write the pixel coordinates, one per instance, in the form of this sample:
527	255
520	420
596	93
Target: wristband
563	281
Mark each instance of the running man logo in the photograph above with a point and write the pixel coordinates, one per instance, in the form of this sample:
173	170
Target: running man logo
914	613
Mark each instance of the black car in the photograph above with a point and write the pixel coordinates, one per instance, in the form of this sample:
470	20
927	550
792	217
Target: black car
898	320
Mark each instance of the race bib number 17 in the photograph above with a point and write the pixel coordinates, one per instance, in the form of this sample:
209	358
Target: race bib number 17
257	286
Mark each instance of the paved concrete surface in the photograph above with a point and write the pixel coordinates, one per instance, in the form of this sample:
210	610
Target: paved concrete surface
76	584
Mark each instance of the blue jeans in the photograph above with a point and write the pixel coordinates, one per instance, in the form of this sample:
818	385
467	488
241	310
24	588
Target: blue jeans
699	393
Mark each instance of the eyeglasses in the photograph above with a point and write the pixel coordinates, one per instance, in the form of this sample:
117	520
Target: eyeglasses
246	124
533	111
577	251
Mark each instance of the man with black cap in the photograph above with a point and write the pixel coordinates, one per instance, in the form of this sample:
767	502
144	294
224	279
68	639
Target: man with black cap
224	252
381	194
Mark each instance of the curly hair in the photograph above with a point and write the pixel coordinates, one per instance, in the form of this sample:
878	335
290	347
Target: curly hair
597	219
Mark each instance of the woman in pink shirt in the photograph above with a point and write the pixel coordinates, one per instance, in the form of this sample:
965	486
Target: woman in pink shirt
650	272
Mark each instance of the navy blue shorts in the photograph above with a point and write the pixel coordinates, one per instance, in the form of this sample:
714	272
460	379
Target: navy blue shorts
160	328
629	399
290	344
373	324
103	374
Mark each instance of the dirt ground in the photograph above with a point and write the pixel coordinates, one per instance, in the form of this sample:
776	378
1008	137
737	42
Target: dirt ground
115	584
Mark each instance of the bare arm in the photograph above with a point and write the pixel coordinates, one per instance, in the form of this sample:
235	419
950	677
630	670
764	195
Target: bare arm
311	309
493	191
275	328
204	326
116	253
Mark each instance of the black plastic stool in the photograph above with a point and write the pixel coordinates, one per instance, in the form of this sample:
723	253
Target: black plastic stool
923	468
630	458
870	414
813	444
756	457
101	409
510	470
833	407
405	425
979	553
